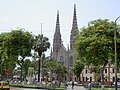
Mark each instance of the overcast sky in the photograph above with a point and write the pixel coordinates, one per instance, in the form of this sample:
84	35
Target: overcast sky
29	14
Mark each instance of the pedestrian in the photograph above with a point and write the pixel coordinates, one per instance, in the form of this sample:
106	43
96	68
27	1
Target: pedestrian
89	86
72	84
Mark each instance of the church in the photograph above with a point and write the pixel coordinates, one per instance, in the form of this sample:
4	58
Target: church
66	55
60	53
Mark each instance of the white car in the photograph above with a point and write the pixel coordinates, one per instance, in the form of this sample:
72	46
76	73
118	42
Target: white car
118	83
71	83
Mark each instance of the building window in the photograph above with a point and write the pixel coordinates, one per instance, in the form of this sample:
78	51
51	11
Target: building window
62	59
71	60
113	70
86	78
105	70
113	79
90	78
106	79
83	78
86	71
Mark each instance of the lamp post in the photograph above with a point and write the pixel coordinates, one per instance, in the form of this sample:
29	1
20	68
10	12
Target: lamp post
115	52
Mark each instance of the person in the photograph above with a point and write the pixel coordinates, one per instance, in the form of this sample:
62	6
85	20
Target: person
65	85
72	84
89	86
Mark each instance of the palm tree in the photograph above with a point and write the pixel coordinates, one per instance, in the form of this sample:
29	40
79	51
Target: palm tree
61	72
41	45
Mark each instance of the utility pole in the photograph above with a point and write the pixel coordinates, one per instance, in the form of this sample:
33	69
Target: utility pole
115	52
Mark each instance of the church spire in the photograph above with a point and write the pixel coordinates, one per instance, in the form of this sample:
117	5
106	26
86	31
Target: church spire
57	22
74	25
57	42
74	30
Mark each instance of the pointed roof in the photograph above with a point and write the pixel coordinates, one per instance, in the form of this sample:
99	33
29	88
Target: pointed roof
57	22
74	30
74	25
57	41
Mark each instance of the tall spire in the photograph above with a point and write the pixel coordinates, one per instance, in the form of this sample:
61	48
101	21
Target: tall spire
57	42
74	25
57	22
74	30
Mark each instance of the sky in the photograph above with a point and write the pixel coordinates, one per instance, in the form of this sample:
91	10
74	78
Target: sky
29	14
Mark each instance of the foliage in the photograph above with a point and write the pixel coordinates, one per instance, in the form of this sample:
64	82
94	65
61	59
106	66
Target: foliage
41	44
15	44
26	65
95	43
61	72
7	60
78	67
55	68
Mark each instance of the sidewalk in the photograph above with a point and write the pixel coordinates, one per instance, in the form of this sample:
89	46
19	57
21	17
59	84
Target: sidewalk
76	88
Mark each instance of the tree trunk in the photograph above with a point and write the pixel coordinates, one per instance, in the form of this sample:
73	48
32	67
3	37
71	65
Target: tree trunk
22	63
21	70
102	73
59	82
40	53
39	70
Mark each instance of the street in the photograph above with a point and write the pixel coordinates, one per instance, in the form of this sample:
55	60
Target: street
76	88
68	88
13	88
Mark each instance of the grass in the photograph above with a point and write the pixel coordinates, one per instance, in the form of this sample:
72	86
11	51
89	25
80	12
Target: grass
104	89
35	86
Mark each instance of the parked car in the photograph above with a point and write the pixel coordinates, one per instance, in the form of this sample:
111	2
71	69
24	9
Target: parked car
70	82
118	83
4	85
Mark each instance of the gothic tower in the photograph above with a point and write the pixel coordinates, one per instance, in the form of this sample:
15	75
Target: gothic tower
57	42
74	30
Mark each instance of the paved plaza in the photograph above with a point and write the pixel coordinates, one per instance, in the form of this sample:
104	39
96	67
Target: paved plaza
76	88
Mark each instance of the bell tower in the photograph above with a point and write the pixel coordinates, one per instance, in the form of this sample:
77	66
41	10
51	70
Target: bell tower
57	41
74	30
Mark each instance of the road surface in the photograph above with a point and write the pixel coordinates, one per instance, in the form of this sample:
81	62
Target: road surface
13	88
68	88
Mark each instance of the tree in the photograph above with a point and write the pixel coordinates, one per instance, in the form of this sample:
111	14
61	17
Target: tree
55	69
61	72
19	44
50	65
41	45
95	44
7	60
77	68
27	64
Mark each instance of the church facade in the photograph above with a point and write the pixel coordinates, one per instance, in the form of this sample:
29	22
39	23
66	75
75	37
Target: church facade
60	53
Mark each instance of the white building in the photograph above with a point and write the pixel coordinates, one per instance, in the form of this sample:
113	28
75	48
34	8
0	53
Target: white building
109	75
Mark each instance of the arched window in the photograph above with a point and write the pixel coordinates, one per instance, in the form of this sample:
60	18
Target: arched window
71	60
62	59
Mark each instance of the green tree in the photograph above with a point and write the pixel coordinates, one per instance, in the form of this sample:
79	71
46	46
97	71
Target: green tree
41	45
7	59
19	43
61	72
95	44
55	68
50	65
27	64
78	68
35	63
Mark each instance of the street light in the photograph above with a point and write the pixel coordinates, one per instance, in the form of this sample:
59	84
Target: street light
115	52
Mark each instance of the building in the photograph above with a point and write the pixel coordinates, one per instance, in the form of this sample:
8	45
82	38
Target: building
109	74
60	53
66	55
